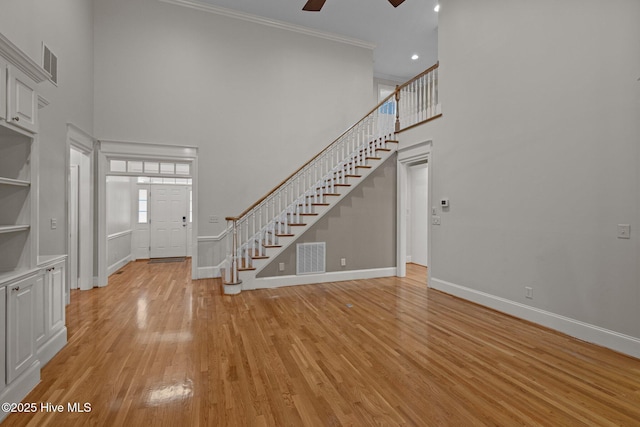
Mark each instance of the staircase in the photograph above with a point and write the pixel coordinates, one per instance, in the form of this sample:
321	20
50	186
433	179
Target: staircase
275	221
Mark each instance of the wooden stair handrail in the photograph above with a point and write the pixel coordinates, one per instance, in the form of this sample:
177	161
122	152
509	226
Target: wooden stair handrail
425	72
392	95
262	199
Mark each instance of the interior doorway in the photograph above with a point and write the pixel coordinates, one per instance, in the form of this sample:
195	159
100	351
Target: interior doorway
80	193
413	242
418	215
144	163
74	230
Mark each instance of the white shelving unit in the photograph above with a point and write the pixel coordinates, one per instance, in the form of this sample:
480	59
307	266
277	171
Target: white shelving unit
18	236
32	322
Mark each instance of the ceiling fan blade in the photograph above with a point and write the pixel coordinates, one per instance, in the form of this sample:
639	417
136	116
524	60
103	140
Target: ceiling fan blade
396	3
314	5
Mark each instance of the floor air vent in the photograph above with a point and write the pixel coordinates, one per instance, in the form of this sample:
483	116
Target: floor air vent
310	258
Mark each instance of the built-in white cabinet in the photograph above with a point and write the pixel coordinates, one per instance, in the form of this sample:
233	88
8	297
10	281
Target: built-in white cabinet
20	341
17	198
32	288
3	338
54	302
22	100
40	318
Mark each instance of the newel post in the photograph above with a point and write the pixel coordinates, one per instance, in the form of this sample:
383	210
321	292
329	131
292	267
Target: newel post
233	285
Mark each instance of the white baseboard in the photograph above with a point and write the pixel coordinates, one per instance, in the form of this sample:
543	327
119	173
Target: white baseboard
308	279
53	346
584	331
118	265
208	272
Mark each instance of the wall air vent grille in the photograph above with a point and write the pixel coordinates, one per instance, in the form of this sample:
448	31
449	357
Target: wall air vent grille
310	258
50	63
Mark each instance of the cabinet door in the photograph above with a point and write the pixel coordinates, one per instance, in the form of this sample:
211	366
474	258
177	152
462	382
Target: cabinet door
56	298
3	341
40	320
3	89
22	102
21	343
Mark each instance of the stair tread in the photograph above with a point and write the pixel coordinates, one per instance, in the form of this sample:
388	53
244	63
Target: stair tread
373	158
364	166
383	149
246	268
337	185
285	235
259	257
272	246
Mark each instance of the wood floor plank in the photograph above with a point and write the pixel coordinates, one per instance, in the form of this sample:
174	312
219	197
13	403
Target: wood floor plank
156	348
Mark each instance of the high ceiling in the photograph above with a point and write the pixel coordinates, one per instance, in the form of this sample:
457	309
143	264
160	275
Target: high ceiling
397	33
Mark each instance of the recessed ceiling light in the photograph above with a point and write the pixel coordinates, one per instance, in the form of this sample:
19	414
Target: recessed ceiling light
437	8
414	56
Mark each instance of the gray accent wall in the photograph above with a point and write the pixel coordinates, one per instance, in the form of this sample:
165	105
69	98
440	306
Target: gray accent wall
360	228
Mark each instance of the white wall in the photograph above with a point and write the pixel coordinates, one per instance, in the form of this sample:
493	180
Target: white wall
257	101
66	27
538	151
119	227
119	202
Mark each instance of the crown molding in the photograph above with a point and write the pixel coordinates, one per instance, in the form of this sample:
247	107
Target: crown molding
20	60
271	23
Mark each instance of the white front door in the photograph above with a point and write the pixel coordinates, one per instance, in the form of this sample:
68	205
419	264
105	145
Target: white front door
169	219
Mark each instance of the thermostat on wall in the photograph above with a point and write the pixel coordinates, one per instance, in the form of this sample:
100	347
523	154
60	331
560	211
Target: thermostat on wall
444	203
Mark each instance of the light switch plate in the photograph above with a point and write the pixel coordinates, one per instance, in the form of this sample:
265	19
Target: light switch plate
624	231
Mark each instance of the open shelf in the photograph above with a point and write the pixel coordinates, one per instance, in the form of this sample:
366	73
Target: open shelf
15	182
13	228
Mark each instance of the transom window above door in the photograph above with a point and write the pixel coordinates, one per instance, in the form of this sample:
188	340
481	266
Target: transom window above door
149	167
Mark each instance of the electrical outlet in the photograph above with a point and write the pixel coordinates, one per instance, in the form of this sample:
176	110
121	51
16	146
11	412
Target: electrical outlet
214	219
528	292
54	223
343	262
435	220
281	266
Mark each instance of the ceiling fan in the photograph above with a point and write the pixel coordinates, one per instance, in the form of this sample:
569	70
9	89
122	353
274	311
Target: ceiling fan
316	5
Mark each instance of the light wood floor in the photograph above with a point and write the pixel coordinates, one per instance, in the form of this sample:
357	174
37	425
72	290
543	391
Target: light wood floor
157	349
